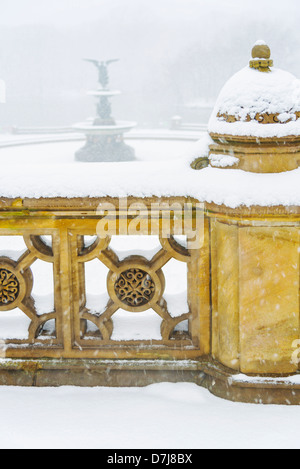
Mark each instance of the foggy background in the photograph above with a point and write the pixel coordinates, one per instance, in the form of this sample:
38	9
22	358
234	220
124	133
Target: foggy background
175	55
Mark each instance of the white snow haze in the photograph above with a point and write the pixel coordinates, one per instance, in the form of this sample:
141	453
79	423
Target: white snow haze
173	54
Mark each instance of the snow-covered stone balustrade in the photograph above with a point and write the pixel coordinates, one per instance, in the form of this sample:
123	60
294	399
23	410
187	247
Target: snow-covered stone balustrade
233	225
70	233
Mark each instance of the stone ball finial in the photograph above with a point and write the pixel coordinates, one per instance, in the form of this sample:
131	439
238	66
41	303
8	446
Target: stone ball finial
261	51
261	54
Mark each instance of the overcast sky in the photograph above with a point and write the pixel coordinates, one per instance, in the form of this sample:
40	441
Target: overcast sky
173	53
68	12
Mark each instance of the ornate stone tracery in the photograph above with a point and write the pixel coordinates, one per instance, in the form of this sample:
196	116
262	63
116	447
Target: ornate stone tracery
264	118
135	287
134	284
16	282
9	287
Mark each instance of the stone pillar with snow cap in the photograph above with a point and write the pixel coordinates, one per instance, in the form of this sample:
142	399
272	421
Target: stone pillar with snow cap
255	129
255	125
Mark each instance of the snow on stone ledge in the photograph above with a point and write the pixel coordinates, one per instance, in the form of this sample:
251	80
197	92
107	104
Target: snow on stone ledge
201	148
166	178
254	129
223	161
287	380
250	92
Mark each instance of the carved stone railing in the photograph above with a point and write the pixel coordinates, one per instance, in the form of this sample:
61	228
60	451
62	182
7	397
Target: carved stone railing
242	312
135	284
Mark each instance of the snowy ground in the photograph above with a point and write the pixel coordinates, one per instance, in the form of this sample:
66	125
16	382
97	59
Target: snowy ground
43	151
173	416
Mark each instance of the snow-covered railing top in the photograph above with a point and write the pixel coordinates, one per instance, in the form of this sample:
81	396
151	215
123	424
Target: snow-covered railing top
230	187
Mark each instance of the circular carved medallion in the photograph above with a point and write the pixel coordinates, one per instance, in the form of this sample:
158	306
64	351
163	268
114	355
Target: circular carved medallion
135	287
9	287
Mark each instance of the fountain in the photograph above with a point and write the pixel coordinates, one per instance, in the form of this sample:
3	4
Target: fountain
104	135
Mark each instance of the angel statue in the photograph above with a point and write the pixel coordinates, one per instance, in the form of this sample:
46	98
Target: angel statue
102	67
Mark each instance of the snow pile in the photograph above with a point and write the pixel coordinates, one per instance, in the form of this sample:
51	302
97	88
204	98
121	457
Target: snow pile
142	326
177	304
260	42
223	161
199	149
250	92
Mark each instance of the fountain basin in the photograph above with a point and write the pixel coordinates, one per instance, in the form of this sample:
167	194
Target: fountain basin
105	93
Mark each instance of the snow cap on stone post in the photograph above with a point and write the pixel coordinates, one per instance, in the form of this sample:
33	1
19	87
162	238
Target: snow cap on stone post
255	124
